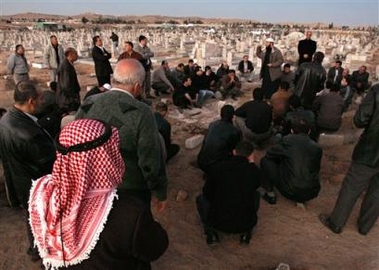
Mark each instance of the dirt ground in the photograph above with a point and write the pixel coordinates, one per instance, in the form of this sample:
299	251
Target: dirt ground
284	233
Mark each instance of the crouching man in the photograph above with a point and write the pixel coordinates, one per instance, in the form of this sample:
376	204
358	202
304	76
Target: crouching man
230	202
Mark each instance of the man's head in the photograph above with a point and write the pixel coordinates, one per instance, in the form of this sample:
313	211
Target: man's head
286	68
54	40
128	46
198	70
300	126
308	34
224	64
294	101
165	65
232	73
284	86
53	86
245	58
180	67
71	54
142	40
227	113
191	63
20	49
97	41
258	94
318	57
335	88
270	42
338	64
362	69
129	74
244	149
27	97
187	81
161	108
345	72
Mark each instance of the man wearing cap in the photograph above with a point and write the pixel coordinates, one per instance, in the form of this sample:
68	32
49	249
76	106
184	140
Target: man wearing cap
272	59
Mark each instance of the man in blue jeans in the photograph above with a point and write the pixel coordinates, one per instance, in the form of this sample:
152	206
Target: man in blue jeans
229	202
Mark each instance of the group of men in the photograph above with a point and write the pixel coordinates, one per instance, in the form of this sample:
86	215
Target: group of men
229	201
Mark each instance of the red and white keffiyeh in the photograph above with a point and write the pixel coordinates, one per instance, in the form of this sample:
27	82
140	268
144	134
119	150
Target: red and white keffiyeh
69	208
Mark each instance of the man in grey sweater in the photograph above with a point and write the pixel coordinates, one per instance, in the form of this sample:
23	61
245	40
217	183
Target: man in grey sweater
17	65
145	174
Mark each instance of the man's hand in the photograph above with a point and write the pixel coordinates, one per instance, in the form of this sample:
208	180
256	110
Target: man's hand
160	205
269	65
305	56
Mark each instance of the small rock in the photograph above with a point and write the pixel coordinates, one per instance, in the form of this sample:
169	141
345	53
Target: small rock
181	196
194	141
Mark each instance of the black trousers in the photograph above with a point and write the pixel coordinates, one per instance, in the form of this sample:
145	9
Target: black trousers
272	178
359	178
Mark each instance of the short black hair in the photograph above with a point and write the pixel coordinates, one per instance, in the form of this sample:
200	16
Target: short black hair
300	126
186	79
339	62
208	68
318	57
190	61
197	68
53	36
141	37
231	71
130	43
161	107
294	101
285	85
163	62
287	65
227	112
94	39
244	149
18	46
24	91
258	93
53	86
180	65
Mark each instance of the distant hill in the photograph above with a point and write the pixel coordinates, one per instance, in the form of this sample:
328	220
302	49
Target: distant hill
144	18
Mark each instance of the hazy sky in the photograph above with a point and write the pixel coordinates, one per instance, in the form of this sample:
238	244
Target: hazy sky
340	12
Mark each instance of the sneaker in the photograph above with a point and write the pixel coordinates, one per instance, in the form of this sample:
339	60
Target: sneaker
269	199
245	238
212	239
325	220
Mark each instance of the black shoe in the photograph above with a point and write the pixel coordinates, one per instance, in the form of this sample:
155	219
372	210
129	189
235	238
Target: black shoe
269	199
212	239
362	232
245	238
325	220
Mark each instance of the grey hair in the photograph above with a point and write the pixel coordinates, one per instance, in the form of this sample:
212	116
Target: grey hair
122	76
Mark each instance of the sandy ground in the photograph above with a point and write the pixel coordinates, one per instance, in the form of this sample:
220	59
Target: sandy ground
285	233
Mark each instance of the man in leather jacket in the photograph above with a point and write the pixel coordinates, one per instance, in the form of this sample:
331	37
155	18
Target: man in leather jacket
310	78
27	151
293	166
363	172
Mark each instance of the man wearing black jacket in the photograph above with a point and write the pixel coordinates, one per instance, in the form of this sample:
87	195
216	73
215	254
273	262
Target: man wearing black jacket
103	68
26	149
230	202
306	48
293	166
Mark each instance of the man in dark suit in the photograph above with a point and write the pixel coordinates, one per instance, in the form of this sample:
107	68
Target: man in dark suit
306	48
101	58
335	73
68	85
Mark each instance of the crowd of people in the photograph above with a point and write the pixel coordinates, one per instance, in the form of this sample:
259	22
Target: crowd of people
101	171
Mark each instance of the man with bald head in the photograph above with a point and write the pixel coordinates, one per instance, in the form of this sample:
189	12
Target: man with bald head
140	147
306	48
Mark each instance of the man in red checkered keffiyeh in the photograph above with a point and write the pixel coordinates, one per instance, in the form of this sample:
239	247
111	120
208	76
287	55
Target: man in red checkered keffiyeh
69	208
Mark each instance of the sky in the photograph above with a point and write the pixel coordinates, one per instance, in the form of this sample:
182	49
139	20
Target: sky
338	12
